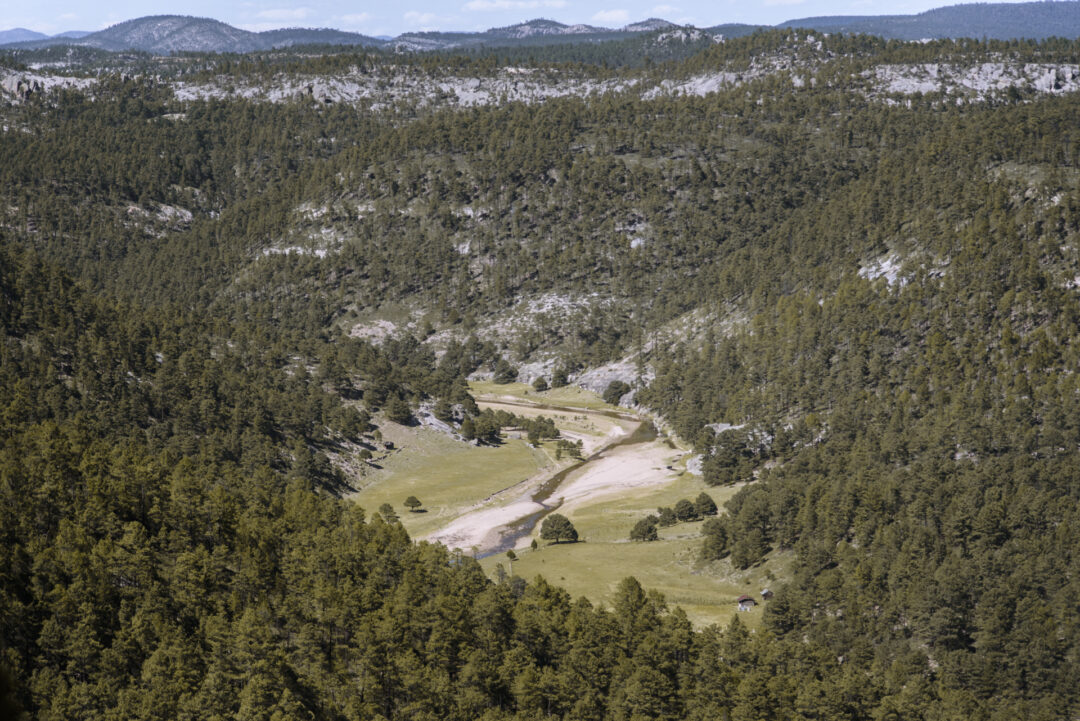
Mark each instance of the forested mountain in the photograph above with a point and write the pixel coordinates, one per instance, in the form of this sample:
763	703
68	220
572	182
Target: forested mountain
20	35
1002	21
174	33
872	283
177	33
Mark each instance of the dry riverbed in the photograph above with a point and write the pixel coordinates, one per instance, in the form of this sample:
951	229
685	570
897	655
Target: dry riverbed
506	519
485	500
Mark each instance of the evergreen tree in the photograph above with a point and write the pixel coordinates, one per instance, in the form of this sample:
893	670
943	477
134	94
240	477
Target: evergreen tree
558	528
398	411
686	511
504	372
704	505
615	391
645	529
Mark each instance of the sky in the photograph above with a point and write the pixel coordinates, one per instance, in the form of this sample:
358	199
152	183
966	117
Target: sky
394	18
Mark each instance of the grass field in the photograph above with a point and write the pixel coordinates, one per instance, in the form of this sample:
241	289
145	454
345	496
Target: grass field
592	429
447	475
593	570
565	396
594	566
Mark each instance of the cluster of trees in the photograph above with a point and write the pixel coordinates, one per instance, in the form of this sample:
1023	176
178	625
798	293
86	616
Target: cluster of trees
574	449
487	426
504	372
731	456
559	379
537	429
684	511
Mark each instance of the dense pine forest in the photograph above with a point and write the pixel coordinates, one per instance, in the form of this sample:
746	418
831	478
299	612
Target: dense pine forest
878	294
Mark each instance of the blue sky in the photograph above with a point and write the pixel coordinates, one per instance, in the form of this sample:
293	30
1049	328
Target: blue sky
393	18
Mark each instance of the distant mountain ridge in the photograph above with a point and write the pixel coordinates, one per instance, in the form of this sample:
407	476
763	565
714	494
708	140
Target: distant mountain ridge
541	26
20	35
1000	21
175	33
650	25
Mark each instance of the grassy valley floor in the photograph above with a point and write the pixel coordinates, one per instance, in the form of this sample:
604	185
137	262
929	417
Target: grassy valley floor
470	492
604	554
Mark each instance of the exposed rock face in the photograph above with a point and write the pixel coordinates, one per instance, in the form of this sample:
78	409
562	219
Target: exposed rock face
542	27
317	92
387	88
693	466
686	35
796	66
975	81
21	87
648	26
598	379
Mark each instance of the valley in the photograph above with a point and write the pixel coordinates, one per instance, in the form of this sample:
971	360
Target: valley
627	473
301	347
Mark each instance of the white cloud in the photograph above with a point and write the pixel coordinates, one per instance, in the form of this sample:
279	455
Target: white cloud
284	14
665	10
415	18
513	4
611	16
356	19
425	22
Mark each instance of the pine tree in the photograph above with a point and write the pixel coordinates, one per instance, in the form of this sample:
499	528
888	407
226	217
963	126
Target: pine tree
704	505
558	528
645	529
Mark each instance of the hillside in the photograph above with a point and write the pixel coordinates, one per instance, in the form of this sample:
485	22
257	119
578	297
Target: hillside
841	274
20	35
1001	21
174	33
